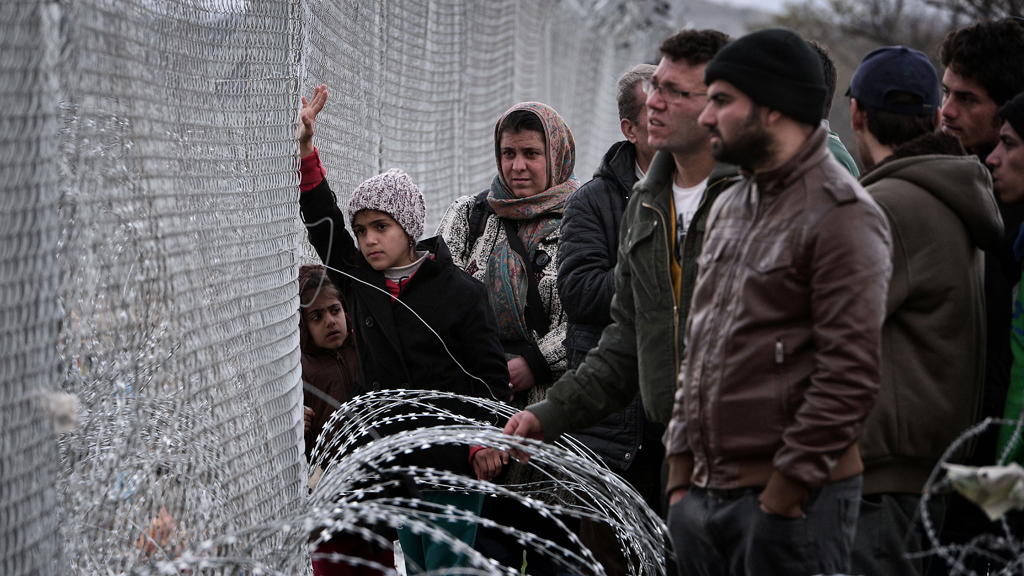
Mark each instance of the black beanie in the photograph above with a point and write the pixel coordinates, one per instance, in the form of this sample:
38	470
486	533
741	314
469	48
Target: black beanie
775	68
1013	112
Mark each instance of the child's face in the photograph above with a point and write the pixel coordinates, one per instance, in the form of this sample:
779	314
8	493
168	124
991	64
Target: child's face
325	319
382	241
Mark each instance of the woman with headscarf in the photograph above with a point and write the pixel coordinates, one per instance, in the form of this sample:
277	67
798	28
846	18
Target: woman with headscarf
507	237
535	157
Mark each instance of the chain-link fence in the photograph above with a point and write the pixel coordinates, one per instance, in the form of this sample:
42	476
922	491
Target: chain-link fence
149	228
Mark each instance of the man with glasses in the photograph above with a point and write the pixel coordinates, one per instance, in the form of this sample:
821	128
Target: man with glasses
661	236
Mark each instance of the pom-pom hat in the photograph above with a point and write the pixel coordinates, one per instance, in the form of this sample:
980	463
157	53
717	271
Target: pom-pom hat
394	194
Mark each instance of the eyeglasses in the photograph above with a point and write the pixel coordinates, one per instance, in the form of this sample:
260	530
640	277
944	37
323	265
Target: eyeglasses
669	94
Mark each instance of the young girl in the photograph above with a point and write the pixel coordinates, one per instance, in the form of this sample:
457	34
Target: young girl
383	270
328	347
329	365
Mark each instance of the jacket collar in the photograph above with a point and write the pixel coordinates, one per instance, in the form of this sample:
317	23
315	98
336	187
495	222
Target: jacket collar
809	155
619	163
442	257
661	172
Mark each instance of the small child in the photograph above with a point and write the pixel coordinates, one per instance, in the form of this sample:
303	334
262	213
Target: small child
397	349
329	365
328	347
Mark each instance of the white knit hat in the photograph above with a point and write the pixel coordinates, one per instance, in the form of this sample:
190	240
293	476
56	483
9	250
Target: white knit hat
393	193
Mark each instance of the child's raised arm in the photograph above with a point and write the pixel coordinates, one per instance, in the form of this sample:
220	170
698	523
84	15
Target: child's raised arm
324	220
310	108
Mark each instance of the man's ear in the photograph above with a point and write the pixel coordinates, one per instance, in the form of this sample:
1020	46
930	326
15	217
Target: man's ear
859	118
628	130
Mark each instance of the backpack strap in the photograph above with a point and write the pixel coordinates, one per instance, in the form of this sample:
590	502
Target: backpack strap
478	219
536	319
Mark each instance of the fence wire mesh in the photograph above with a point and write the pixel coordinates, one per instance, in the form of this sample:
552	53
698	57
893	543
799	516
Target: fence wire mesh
150	231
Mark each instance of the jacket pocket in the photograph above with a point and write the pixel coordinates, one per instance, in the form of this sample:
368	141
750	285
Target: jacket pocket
637	235
768	257
648	266
712	251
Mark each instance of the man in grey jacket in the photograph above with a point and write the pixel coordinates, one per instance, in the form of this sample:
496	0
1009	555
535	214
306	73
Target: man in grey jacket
783	337
942	214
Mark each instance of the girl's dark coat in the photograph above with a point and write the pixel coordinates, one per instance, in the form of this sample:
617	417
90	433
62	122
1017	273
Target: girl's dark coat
395	349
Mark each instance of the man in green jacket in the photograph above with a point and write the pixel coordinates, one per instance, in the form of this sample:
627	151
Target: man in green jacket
660	239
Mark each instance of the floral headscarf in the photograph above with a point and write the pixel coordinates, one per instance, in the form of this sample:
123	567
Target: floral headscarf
561	148
538	216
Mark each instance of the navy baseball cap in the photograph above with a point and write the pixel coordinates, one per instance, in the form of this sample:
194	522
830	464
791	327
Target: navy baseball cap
896	69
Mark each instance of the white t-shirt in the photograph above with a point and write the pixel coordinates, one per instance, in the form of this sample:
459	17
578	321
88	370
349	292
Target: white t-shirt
686	201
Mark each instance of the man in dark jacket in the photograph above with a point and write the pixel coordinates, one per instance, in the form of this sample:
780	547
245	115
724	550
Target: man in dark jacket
662	232
783	337
627	442
942	213
983	71
1007	164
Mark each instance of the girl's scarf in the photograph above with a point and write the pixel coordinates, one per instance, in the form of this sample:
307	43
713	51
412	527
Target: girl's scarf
536	216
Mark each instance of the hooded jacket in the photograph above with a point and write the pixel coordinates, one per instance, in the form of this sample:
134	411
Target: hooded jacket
587	253
942	214
333	372
587	256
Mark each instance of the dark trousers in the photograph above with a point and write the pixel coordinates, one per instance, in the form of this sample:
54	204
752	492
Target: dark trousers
725	533
644	475
888	528
508	551
355	547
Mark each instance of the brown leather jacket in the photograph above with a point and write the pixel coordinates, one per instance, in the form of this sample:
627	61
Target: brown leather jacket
783	339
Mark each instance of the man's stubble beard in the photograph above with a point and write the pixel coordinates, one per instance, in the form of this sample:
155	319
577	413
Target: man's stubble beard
750	148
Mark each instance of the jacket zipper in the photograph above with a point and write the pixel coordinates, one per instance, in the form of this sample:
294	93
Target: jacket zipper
675	295
686	237
718	323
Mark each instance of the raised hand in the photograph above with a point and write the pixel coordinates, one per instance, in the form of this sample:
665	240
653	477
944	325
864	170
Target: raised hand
310	108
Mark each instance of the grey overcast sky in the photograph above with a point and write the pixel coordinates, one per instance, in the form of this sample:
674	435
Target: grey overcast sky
766	5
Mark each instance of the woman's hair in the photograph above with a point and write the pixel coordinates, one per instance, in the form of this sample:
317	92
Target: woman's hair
520	120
